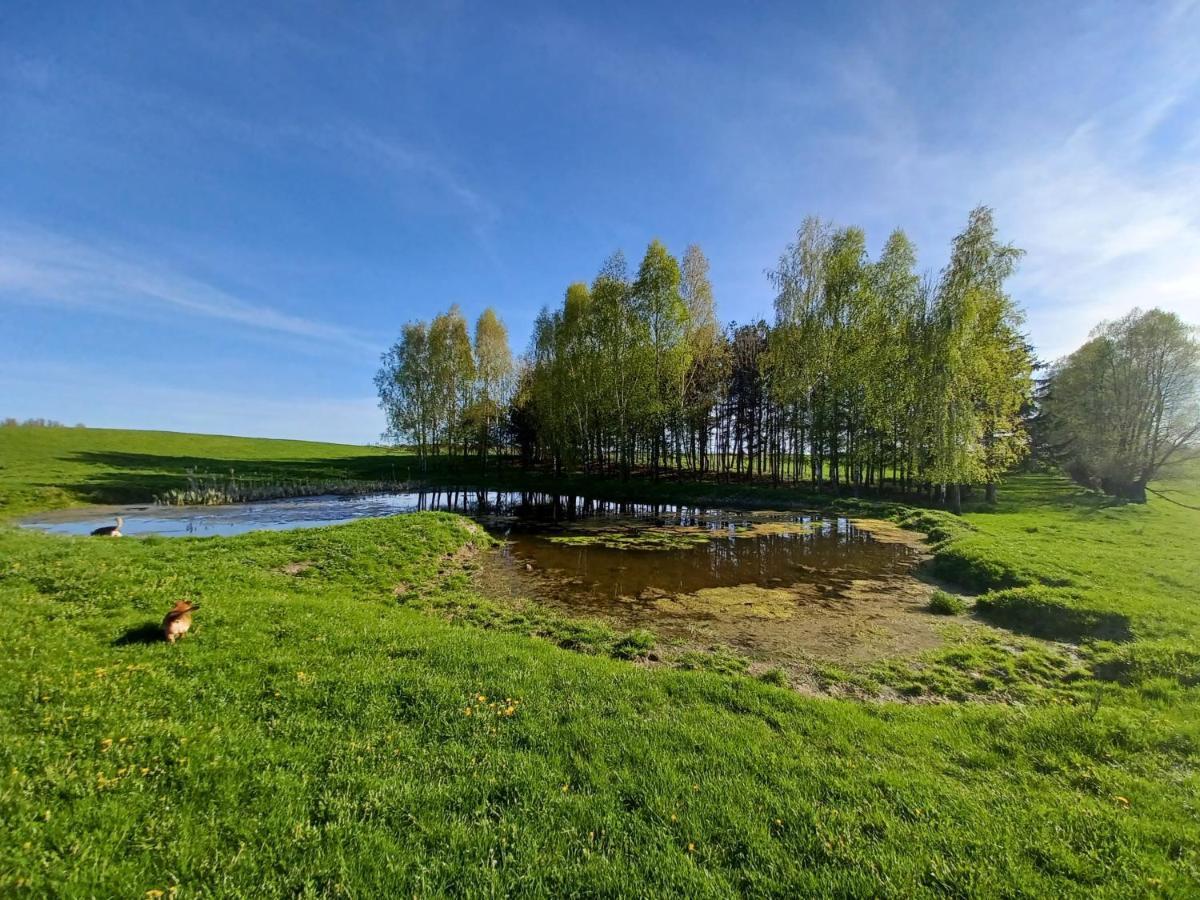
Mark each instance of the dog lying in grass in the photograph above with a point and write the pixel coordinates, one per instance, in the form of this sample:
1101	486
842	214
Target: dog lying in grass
178	620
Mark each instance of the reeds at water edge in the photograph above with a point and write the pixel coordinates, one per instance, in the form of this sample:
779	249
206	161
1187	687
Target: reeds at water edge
211	489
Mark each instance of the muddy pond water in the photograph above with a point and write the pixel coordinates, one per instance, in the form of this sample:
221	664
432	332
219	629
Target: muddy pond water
780	586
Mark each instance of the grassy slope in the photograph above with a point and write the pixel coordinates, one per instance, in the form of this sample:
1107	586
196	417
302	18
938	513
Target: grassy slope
312	735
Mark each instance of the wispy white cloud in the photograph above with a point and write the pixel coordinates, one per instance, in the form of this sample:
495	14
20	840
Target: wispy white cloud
1106	206
398	156
42	267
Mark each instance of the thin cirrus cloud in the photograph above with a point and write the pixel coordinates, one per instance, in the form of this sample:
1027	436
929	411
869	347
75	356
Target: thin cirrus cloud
1098	181
42	267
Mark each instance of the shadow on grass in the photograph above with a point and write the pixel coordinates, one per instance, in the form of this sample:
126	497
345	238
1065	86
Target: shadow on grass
146	633
139	477
1043	613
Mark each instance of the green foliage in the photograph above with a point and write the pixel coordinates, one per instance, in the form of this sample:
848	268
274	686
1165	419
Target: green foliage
439	391
1171	659
976	568
944	604
775	676
867	376
1126	402
718	659
939	526
1051	613
311	736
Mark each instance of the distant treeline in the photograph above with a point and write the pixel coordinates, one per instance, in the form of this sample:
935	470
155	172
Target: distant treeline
10	422
871	377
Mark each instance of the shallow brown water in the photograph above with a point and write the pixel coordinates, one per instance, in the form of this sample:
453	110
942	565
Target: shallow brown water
779	587
729	550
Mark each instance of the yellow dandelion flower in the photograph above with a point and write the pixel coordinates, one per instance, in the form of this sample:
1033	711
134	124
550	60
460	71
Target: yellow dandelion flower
154	894
691	848
481	698
565	788
467	711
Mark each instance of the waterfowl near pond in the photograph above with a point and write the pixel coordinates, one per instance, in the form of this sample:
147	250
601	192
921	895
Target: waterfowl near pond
178	620
110	530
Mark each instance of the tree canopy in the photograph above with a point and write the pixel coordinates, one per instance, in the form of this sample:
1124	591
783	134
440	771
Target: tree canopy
871	376
1126	403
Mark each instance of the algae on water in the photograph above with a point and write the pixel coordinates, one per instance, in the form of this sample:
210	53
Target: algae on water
676	537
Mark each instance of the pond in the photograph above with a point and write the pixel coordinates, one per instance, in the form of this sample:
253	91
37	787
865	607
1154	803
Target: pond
769	583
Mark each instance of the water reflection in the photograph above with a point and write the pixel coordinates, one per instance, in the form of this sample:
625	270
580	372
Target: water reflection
718	547
763	582
311	512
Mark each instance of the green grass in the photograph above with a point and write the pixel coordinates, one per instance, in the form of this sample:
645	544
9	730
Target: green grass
311	736
945	604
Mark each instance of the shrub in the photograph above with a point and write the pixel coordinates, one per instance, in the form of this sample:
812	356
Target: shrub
634	645
973	568
774	676
939	526
946	604
1049	613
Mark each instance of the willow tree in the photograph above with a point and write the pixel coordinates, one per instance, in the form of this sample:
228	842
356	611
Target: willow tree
1128	401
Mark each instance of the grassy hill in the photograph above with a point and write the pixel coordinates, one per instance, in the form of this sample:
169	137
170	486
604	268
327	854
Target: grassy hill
318	735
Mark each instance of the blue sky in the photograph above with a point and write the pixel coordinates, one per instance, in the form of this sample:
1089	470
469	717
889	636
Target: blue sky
214	217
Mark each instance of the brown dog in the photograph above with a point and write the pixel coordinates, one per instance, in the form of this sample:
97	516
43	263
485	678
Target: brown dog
178	620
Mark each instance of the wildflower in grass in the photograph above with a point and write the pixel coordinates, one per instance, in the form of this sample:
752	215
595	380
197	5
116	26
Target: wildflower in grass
154	894
106	744
565	788
691	848
674	818
467	711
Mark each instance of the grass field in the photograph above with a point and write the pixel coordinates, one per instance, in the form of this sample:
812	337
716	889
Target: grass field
317	735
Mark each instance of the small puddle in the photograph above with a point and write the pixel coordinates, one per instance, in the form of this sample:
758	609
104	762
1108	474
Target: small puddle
777	586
